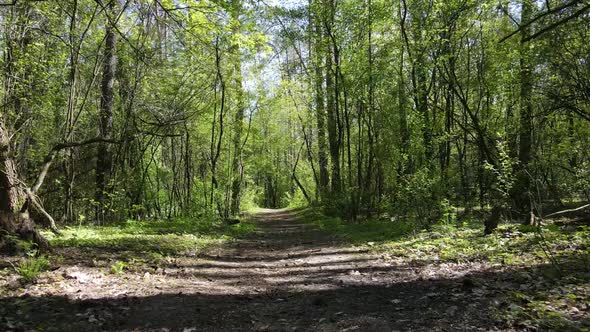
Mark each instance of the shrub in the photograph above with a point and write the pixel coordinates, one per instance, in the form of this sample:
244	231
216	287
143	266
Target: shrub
118	267
30	268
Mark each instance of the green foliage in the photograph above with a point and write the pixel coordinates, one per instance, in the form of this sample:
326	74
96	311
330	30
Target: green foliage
118	267
448	212
296	201
509	246
547	308
514	245
337	205
414	116
372	230
13	243
179	236
250	199
30	268
419	198
504	173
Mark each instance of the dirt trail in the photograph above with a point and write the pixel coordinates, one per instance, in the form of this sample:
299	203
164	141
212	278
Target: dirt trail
287	276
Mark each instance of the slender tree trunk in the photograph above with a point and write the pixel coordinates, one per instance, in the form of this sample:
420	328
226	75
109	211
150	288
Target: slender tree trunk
522	194
332	105
332	127
324	180
294	176
445	147
68	160
104	156
237	169
402	98
526	85
216	143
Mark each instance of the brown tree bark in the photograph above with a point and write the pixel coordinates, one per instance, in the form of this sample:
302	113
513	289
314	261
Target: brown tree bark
104	156
237	169
14	221
522	191
320	111
215	147
333	101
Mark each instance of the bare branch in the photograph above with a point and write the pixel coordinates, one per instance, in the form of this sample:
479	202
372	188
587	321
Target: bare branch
34	200
566	211
540	16
558	23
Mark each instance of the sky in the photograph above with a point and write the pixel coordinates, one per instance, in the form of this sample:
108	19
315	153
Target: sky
270	75
286	3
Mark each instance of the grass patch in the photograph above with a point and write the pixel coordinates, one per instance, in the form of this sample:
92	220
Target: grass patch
158	238
357	233
546	267
461	241
558	308
510	245
118	267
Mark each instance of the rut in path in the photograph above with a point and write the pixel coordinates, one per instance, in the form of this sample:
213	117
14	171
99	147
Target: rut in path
287	276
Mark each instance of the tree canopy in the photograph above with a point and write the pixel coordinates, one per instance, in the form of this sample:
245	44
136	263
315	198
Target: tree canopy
159	109
300	165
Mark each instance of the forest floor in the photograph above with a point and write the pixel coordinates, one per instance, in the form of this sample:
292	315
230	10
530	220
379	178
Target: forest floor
293	274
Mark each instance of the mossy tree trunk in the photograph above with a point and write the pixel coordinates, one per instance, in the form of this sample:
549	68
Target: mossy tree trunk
14	216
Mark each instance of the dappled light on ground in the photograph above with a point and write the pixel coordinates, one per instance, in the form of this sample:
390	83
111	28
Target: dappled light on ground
286	276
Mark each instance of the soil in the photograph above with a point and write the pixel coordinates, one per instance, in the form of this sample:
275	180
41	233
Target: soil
287	276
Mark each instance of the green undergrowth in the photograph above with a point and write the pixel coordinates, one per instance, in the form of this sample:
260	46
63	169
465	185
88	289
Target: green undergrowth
175	237
461	241
30	268
546	268
358	233
512	245
559	306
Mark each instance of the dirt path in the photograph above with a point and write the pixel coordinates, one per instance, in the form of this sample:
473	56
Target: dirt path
287	276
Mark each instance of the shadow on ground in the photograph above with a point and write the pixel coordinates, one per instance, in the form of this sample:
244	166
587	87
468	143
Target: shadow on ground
426	305
287	276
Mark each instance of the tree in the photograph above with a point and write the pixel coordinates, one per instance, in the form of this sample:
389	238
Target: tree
104	161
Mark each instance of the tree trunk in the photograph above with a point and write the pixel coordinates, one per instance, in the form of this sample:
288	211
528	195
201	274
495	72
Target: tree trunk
320	111
237	169
104	157
9	193
12	220
522	193
332	107
216	142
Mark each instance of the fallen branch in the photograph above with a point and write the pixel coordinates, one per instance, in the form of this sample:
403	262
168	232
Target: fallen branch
30	192
566	211
33	199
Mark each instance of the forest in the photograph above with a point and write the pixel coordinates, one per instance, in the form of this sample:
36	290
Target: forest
300	165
